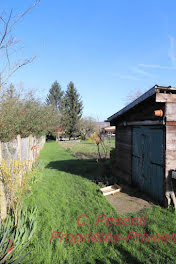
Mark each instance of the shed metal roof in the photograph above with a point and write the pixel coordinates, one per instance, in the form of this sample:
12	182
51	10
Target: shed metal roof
146	95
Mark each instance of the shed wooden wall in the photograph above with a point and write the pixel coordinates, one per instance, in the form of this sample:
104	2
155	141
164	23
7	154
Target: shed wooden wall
170	148
170	141
124	153
143	111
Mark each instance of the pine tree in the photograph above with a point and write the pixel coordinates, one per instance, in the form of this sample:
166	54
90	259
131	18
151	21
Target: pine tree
71	111
55	95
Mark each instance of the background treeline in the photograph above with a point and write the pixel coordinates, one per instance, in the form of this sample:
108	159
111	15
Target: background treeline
25	115
70	107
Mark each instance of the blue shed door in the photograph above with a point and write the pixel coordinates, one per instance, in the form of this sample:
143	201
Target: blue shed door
148	161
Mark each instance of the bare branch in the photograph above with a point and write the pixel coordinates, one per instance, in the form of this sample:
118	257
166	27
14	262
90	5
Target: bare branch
1	18
133	95
7	43
6	28
8	61
6	77
22	15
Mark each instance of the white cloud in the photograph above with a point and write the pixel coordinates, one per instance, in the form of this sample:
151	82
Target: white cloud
139	71
157	66
172	54
129	77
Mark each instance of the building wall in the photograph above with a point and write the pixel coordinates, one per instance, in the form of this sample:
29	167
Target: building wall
170	150
123	153
145	112
124	144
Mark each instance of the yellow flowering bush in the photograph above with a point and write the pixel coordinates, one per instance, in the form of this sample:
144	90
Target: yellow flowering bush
102	145
94	137
15	175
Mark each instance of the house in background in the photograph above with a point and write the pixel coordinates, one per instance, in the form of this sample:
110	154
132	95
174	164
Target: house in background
110	130
106	129
145	148
103	125
59	133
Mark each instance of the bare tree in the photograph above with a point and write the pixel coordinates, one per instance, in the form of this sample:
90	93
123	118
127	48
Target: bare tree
86	126
133	95
8	66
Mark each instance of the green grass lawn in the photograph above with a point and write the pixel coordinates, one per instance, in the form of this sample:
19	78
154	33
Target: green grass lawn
64	193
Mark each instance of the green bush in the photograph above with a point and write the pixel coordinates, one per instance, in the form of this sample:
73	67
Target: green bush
25	116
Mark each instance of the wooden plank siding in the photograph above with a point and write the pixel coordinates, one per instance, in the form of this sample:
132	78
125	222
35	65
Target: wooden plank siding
170	111
170	136
142	112
165	98
170	155
170	148
124	153
144	115
170	162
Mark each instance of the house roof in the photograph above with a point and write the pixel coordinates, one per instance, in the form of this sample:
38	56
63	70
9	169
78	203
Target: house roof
110	129
103	124
155	89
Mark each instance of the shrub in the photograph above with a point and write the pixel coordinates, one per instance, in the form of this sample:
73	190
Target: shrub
25	116
18	181
15	177
87	126
14	239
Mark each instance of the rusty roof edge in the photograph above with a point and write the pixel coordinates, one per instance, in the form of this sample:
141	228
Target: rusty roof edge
143	97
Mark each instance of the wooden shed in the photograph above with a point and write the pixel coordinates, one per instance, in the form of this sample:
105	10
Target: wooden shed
145	150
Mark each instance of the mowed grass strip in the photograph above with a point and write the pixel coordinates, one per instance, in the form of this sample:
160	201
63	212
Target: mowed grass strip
64	193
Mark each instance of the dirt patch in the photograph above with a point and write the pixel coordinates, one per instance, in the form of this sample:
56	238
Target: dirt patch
81	155
129	200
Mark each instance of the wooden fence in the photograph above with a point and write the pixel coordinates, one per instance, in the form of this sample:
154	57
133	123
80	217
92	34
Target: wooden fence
21	149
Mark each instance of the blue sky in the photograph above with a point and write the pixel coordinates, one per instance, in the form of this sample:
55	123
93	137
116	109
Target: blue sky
107	48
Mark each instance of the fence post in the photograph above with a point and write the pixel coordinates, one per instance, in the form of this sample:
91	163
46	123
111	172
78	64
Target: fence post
19	147
30	151
19	156
3	201
35	149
